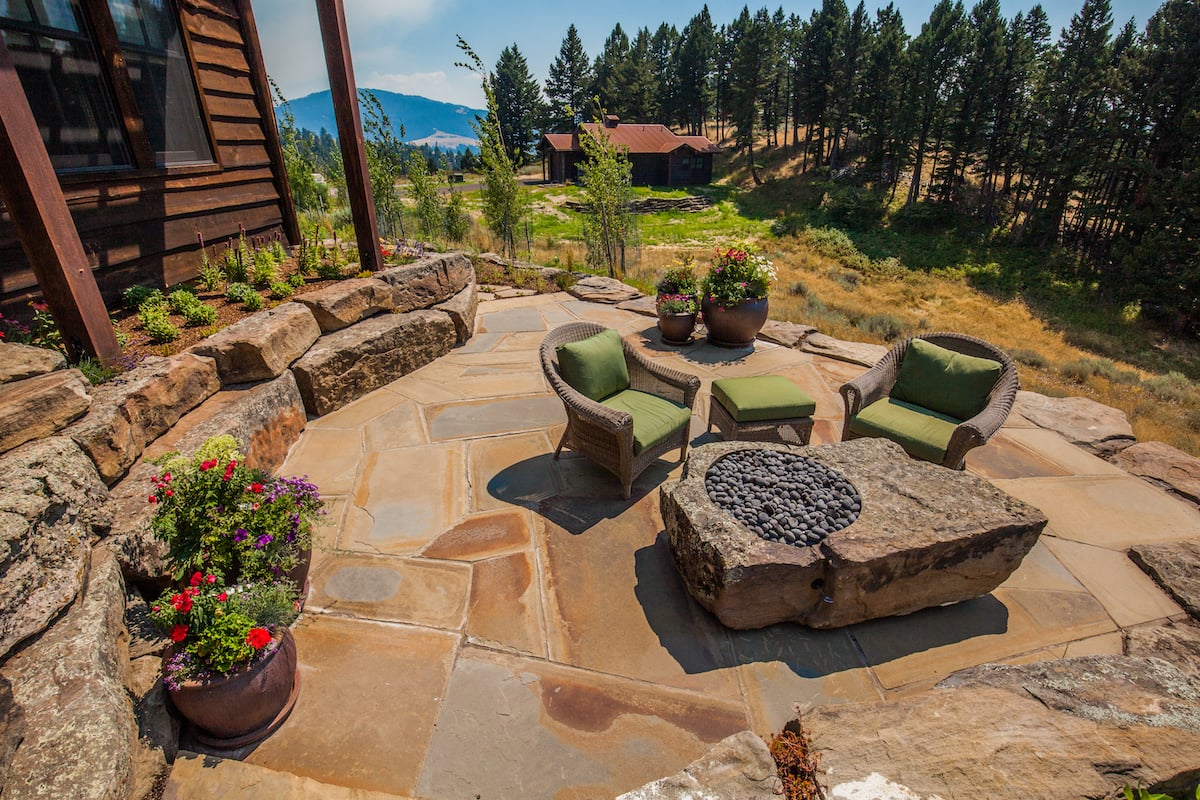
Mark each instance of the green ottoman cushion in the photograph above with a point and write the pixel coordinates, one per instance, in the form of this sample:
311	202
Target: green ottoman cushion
922	433
654	418
595	366
762	398
944	381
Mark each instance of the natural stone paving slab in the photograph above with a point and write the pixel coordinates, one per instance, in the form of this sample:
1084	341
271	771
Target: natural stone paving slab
197	777
402	426
509	470
511	320
405	498
479	418
506	605
788	334
21	361
1108	512
1128	595
1163	465
1005	457
537	730
1176	643
262	345
392	589
37	407
855	352
739	768
1176	568
480	343
1097	428
1042	570
645	305
481	536
368	702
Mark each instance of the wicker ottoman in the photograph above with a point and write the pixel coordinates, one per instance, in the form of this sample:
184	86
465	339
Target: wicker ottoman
764	408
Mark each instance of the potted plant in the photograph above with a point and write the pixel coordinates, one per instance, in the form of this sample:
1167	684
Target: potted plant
677	303
734	295
231	667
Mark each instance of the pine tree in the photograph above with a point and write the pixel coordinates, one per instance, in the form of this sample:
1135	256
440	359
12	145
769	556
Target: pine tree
609	72
882	94
518	104
663	47
568	83
637	77
747	39
694	68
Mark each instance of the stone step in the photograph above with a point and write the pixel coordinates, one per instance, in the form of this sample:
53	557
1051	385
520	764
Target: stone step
200	777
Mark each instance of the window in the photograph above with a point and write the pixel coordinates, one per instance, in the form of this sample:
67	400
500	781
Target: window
76	101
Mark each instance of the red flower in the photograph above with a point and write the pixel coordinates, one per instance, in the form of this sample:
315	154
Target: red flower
152	499
258	638
179	633
255	487
207	465
210	578
196	578
229	470
166	477
222	597
182	602
169	493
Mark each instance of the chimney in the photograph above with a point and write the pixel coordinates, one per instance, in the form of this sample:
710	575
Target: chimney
611	121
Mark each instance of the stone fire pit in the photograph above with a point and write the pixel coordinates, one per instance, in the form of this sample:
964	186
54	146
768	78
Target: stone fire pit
925	536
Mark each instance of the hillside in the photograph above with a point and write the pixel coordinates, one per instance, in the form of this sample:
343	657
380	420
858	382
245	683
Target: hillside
425	121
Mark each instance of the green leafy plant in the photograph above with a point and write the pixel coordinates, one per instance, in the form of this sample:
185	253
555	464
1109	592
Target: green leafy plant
254	301
156	321
264	268
181	299
134	296
679	279
96	371
238	292
281	289
237	268
44	330
296	280
677	304
329	269
738	274
199	314
1139	793
278	251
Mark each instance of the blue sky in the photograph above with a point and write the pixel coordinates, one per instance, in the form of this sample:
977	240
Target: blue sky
408	46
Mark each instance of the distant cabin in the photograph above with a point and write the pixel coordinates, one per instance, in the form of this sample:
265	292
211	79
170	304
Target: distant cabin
659	156
158	121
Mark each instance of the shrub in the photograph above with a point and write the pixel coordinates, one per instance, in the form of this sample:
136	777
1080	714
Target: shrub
211	277
133	297
845	278
281	289
835	244
238	292
278	252
884	326
1174	387
329	269
236	268
254	301
181	299
1029	358
199	314
96	371
157	323
295	280
565	280
264	268
679	279
798	289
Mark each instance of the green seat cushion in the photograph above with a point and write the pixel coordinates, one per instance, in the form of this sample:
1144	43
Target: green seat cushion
761	398
654	418
944	381
922	433
595	366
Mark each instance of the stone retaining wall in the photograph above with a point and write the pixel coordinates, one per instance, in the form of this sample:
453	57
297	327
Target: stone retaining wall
81	716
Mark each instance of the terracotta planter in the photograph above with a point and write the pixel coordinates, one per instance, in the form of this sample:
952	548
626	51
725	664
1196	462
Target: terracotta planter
736	325
231	711
676	328
298	575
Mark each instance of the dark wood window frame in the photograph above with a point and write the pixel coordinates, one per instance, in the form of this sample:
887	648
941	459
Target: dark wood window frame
112	61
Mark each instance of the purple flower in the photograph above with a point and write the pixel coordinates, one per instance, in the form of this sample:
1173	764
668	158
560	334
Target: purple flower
241	535
263	541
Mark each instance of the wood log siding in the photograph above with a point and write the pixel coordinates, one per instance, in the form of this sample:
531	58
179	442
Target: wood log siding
140	226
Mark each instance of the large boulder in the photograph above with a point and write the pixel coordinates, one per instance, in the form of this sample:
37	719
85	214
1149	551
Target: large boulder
861	353
1175	566
344	366
12	728
21	361
133	410
461	308
1080	727
788	334
925	536
51	501
80	733
267	418
40	406
262	345
1163	466
1095	427
429	281
601	289
346	302
740	767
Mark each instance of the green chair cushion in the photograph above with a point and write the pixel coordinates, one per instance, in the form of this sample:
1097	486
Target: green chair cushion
595	366
944	381
654	418
922	433
761	398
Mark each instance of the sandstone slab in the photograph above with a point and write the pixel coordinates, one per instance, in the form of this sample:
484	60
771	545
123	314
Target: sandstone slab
854	352
1177	643
203	777
347	302
12	728
1164	466
925	536
345	365
739	768
40	406
262	345
788	334
1095	427
1175	566
601	289
462	308
70	685
645	305
1087	725
137	407
429	281
21	361
50	502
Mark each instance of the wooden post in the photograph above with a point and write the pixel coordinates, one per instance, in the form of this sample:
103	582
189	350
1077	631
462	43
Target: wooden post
35	202
332	16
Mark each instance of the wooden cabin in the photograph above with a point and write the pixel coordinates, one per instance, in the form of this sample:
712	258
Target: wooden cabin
659	157
158	120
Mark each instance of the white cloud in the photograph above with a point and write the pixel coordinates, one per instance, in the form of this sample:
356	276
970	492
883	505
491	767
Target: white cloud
373	12
439	85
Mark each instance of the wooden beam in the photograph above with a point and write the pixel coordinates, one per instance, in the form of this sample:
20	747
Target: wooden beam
35	202
266	109
332	16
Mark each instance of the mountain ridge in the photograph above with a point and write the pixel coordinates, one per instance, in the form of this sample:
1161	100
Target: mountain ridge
425	121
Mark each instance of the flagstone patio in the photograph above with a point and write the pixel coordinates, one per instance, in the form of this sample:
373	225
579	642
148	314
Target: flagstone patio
488	622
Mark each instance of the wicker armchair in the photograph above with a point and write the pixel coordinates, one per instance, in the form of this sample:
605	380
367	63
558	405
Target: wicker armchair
606	435
877	382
